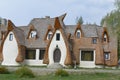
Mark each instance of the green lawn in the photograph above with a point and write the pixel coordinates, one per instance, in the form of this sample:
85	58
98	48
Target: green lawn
83	76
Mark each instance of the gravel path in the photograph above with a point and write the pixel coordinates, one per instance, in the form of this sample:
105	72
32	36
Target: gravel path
45	71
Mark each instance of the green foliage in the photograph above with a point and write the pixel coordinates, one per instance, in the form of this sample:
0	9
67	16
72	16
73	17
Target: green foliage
117	4
61	72
24	72
85	76
112	20
3	70
79	20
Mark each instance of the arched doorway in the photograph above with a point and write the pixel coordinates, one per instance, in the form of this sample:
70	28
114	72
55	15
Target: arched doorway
57	55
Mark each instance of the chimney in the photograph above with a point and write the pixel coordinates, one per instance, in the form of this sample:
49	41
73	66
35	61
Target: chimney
47	16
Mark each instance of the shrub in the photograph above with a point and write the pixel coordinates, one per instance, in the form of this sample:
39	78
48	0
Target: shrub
3	70
24	72
61	72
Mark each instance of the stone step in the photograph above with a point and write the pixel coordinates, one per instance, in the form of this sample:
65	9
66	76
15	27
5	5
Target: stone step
55	66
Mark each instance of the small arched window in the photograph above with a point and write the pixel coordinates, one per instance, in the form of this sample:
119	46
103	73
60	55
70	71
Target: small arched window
105	37
49	35
33	34
78	34
10	37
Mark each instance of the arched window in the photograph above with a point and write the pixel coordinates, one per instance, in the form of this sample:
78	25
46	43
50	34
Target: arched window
33	34
78	34
49	35
105	37
10	37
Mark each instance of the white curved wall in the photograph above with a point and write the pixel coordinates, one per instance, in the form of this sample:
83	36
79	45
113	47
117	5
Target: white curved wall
10	51
61	46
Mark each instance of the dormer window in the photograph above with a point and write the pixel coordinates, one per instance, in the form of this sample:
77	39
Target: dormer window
49	35
33	34
10	37
105	37
78	34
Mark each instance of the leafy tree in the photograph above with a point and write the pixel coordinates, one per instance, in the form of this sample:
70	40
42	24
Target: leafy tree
79	20
117	4
112	20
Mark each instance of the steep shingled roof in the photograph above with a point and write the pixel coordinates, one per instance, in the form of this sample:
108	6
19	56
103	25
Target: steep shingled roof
19	35
3	29
41	25
88	30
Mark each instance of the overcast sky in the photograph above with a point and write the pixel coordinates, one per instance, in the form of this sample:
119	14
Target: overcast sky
22	11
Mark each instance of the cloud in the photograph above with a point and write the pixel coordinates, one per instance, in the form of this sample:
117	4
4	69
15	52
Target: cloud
22	11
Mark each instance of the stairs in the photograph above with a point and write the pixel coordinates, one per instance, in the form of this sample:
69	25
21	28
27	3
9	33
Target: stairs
55	66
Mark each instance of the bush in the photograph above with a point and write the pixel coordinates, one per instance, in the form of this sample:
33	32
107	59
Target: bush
3	70
61	72
24	72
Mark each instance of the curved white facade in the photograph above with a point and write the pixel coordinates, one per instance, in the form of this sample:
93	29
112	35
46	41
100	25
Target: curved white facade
61	45
10	51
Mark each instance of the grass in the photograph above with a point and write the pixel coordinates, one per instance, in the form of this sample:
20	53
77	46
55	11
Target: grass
24	72
61	72
83	76
3	70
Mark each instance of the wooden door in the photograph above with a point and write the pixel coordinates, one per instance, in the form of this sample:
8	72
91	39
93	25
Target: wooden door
57	55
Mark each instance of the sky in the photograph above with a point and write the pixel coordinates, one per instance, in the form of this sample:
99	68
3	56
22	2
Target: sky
21	12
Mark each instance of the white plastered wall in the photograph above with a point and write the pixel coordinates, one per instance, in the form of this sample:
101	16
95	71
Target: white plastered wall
36	61
61	45
10	51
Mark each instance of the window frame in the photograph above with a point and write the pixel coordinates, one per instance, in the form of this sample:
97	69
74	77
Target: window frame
57	36
105	38
41	55
10	37
78	36
28	54
94	40
49	36
107	55
83	54
32	34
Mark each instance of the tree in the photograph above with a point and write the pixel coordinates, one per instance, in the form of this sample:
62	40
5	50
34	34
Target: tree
117	4
79	20
112	20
